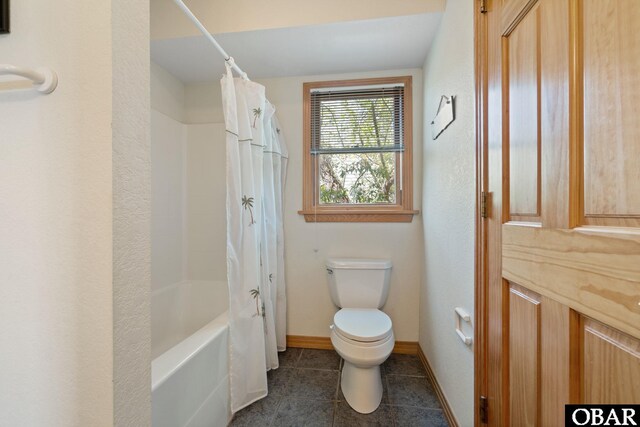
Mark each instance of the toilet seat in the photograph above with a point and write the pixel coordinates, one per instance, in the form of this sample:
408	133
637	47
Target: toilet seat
364	326
361	344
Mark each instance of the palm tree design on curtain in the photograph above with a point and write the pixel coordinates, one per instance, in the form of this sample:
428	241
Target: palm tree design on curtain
247	203
255	293
256	114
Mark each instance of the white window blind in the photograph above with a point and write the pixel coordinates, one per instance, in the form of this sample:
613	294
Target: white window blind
357	120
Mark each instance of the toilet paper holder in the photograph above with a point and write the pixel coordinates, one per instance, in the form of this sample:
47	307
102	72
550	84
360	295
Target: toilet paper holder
461	314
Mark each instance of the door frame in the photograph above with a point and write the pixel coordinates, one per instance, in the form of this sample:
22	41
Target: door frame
482	204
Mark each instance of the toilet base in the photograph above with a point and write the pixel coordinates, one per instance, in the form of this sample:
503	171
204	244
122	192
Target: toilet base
362	387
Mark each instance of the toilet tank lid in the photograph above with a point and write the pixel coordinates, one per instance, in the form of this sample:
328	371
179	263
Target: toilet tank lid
359	263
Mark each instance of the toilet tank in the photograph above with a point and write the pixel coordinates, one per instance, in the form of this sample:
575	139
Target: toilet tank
358	283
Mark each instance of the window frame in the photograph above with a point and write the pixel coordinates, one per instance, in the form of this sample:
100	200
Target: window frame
402	210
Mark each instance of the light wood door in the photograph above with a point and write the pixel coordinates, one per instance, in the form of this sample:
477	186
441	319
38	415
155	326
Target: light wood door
559	98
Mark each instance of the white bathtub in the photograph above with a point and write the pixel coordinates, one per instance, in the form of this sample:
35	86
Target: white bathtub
190	374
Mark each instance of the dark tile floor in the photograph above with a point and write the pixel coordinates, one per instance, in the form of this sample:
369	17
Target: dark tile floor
305	391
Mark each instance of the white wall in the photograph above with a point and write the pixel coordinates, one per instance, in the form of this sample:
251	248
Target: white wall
188	217
188	209
167	93
63	298
168	183
308	245
206	202
131	209
168	216
448	206
189	191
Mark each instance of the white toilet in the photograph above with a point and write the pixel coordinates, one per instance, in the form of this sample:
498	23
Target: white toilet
361	333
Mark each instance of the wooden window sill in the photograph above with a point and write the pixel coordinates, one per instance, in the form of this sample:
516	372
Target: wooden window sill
358	215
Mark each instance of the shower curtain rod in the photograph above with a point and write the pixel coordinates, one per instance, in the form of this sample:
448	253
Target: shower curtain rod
208	35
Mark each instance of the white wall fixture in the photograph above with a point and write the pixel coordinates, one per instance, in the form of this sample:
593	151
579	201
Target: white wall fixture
45	80
461	314
444	117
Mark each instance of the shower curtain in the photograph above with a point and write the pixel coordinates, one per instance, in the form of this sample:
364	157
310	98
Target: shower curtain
256	174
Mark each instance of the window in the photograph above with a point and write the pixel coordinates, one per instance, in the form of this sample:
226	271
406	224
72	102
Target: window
357	151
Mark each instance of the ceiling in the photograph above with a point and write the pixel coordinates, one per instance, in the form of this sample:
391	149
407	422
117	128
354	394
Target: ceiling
356	46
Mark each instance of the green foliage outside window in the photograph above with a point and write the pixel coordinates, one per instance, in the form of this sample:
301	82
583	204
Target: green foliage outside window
358	177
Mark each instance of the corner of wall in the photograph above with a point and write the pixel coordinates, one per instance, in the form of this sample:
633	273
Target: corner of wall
448	207
167	93
131	213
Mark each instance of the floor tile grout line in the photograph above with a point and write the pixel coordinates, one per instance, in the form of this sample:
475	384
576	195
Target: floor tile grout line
295	364
418	407
335	414
405	375
320	369
275	413
337	388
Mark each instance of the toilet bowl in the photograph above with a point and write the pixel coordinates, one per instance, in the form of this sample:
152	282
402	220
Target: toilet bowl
361	334
364	338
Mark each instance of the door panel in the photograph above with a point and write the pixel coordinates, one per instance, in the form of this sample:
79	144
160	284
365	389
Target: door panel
611	108
524	355
611	365
524	144
558	324
512	11
555	128
563	233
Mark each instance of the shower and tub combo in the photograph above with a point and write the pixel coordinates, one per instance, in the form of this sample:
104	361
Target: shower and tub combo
190	368
214	340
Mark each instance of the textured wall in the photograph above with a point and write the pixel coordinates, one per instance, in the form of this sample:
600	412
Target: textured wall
56	344
131	213
307	245
448	203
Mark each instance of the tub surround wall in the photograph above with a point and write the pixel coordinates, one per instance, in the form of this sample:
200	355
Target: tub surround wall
189	286
308	245
168	235
449	210
206	228
189	298
167	93
179	310
189	192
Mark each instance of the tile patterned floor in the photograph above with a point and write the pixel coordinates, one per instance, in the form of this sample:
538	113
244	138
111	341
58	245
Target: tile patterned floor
305	391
